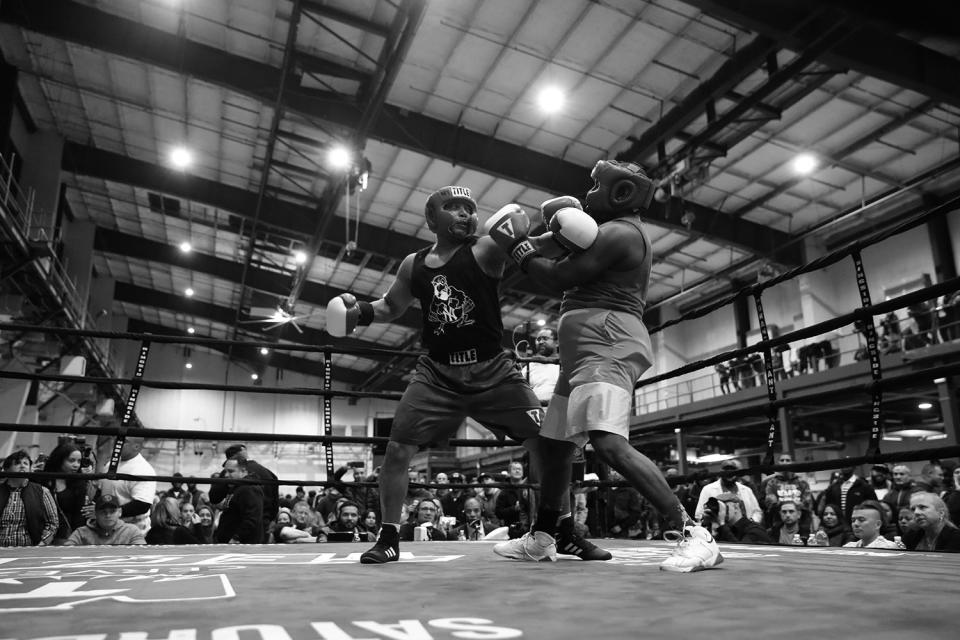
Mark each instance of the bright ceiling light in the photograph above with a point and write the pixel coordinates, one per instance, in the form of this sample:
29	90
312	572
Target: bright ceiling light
189	365
191	330
254	376
551	99
714	457
925	405
804	163
300	257
181	158
186	247
264	351
188	292
339	157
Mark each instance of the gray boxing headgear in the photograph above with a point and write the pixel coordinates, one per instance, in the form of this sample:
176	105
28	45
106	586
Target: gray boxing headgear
618	188
444	195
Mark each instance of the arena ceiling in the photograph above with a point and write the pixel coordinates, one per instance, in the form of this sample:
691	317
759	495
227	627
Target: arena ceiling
715	98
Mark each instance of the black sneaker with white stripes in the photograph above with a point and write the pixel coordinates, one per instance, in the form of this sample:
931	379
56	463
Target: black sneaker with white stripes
571	543
386	549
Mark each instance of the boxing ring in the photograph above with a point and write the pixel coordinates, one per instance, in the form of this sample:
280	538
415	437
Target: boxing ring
462	590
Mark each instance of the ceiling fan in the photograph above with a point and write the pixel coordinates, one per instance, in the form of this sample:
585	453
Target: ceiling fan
277	316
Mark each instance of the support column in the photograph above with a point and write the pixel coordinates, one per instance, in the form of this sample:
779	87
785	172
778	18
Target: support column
946	391
944	261
664	359
8	100
681	438
13	399
787	443
78	258
101	309
741	316
42	157
816	289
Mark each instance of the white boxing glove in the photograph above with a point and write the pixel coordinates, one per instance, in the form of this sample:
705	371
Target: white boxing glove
548	208
573	229
344	314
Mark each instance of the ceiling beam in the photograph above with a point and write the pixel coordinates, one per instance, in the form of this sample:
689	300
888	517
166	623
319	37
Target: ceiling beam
349	19
136	247
277	213
836	156
149	298
277	359
709	224
869	50
729	75
396	126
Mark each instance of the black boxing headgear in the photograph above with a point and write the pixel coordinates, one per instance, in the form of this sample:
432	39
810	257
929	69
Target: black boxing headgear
442	196
618	188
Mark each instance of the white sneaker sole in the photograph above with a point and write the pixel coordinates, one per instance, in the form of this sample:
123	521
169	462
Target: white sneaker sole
698	567
523	556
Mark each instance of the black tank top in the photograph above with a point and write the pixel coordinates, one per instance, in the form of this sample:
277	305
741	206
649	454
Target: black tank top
459	306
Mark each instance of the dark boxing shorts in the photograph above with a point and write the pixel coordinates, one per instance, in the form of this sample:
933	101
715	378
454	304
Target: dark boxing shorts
439	397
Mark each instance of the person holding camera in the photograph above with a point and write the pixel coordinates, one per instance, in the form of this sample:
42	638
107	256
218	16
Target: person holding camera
726	517
346	526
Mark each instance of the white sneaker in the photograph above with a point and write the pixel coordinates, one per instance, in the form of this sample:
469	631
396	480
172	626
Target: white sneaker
696	550
535	546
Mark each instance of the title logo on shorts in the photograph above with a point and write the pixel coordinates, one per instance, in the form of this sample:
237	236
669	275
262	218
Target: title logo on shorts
449	306
536	415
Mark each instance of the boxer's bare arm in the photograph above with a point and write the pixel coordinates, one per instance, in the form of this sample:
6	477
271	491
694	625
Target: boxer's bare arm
399	296
489	256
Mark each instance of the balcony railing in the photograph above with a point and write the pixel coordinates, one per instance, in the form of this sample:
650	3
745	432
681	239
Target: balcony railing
847	348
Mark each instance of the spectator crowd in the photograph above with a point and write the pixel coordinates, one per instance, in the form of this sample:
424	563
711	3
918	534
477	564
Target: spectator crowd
890	508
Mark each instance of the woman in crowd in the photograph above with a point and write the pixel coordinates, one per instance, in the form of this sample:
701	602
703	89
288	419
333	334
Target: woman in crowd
933	530
369	523
166	526
71	494
188	514
837	533
203	530
286	531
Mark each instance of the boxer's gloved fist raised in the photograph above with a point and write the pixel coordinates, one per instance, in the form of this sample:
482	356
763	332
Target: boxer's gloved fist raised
509	227
573	229
549	207
344	314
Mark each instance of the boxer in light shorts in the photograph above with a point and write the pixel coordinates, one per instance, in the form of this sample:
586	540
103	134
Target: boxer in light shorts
601	258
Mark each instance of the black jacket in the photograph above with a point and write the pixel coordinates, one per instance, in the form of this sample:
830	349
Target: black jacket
859	491
271	492
948	540
899	497
744	530
243	517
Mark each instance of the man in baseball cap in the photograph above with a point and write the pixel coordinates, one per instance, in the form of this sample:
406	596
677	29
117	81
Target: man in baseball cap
106	527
